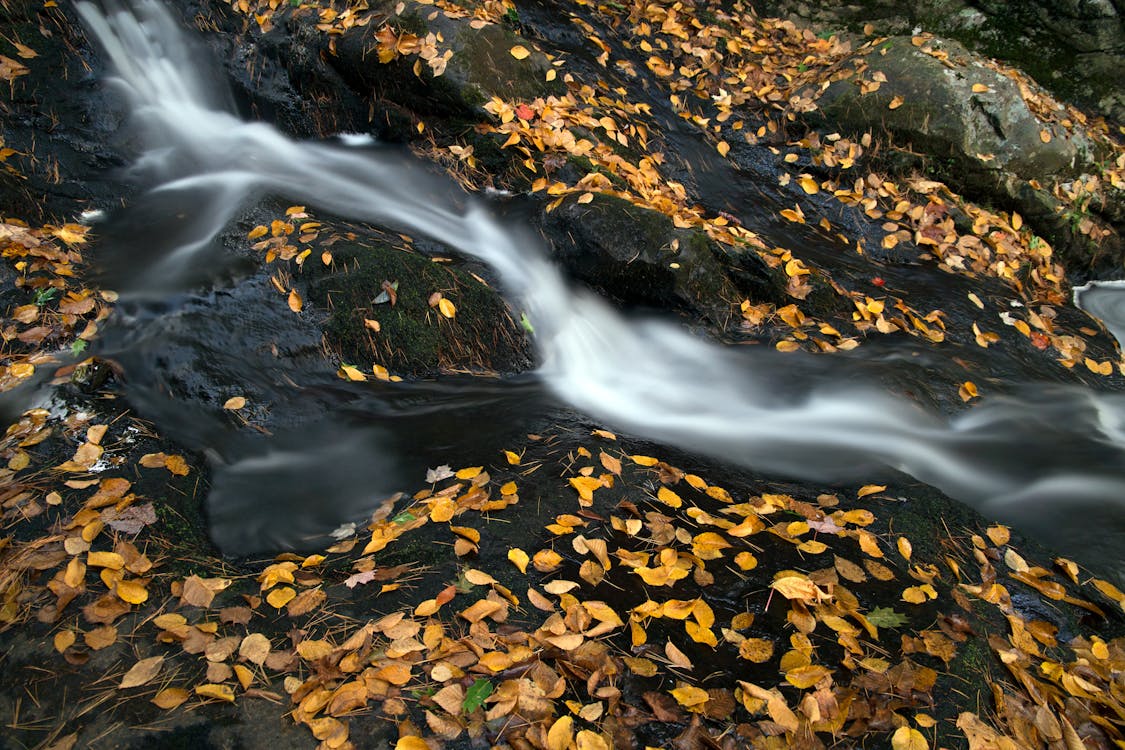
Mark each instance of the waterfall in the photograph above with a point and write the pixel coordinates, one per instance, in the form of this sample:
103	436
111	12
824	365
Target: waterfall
1051	455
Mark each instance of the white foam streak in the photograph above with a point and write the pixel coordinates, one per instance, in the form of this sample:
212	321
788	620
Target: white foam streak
650	378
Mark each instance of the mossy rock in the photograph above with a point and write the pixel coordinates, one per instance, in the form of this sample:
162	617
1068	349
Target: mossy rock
414	339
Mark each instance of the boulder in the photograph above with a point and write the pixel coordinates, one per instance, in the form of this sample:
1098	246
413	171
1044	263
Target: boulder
953	106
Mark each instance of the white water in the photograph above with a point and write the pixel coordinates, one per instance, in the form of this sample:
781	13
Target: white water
1012	458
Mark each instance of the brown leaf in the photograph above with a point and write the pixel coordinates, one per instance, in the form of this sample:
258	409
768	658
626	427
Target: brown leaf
142	672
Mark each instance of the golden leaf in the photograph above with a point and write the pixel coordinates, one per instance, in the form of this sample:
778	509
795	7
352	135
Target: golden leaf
110	560
967	391
234	403
723	148
809	185
757	650
64	639
807	676
870	489
280	596
979	88
561	734
896	103
519	52
132	591
669	498
447	308
905	548
169	698
519	558
258	231
214	690
469	472
908	738
295	301
690	696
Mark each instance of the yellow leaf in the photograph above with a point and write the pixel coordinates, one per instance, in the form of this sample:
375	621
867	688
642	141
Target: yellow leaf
644	460
447	308
967	391
169	698
561	734
979	88
64	639
905	547
908	738
212	690
519	52
110	560
1045	135
235	403
787	346
513	458
669	498
280	596
132	592
999	534
807	676
469	472
808	184
690	696
258	231
870	489
585	198
757	650
723	148
519	558
896	103
295	301
411	742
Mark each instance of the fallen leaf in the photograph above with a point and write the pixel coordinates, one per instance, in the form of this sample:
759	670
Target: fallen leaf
519	52
142	672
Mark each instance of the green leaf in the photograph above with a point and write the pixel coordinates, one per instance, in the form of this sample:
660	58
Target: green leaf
78	347
526	323
404	517
885	617
475	695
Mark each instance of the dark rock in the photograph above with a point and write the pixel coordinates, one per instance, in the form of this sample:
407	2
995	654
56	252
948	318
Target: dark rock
480	67
636	256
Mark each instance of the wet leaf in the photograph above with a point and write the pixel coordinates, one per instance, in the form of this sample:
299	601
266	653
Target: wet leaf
886	617
519	52
907	738
234	403
169	698
870	489
447	308
218	692
296	304
519	558
142	672
63	640
280	596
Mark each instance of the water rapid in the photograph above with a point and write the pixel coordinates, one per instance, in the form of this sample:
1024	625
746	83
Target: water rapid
1053	459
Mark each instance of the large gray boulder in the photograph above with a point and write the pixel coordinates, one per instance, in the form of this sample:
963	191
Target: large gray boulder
946	103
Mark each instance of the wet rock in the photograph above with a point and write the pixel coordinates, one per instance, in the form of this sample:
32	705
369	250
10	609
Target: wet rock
637	256
481	65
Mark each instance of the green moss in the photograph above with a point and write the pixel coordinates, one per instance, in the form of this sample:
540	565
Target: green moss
414	338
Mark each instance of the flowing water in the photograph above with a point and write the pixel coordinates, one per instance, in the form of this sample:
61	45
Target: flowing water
1052	459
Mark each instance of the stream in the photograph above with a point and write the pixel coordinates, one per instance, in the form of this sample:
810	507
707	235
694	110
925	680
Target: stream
1050	458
